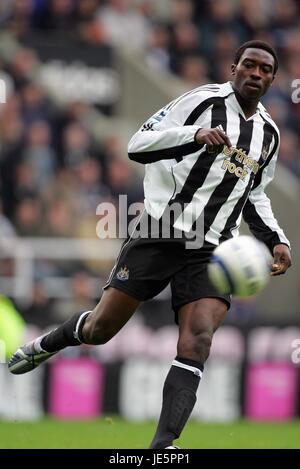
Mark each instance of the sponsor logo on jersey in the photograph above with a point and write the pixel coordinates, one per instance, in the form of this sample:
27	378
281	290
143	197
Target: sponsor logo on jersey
249	164
155	119
159	115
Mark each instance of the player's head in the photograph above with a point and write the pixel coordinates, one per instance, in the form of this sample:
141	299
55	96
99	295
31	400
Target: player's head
254	68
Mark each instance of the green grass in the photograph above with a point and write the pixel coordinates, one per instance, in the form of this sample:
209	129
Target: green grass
114	432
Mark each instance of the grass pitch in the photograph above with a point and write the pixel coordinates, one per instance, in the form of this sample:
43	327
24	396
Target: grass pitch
114	432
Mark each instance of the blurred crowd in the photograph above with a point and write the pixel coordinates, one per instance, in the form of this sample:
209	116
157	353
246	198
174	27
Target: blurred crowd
47	155
53	173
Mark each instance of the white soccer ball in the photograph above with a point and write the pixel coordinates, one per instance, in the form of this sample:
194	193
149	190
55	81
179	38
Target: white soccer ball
240	266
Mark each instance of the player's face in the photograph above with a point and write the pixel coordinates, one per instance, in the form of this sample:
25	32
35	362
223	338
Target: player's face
253	74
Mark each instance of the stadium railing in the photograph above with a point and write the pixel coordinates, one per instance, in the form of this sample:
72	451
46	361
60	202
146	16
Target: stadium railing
24	252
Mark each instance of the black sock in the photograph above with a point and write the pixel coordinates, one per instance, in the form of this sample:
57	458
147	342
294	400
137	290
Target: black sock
69	333
179	397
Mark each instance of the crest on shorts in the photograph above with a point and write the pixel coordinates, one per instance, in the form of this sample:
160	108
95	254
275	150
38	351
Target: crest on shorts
123	274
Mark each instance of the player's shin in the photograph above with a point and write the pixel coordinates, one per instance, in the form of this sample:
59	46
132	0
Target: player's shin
179	397
68	334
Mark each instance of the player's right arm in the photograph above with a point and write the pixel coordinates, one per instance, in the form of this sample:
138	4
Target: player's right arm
166	136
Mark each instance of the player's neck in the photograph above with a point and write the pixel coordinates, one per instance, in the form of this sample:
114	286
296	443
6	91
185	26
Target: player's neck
248	107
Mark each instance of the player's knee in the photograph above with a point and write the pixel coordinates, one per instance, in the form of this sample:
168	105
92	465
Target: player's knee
196	346
203	343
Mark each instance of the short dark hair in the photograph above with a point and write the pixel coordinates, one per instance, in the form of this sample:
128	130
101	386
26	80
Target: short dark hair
256	45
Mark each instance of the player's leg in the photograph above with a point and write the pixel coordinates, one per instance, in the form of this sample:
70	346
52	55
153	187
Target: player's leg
114	309
91	327
133	279
94	327
198	321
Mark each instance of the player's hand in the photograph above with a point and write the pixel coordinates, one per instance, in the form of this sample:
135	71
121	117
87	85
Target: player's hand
213	138
282	259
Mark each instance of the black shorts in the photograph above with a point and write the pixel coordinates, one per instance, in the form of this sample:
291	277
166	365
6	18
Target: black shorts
145	266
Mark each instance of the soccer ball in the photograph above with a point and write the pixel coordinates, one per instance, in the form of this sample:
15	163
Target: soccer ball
240	266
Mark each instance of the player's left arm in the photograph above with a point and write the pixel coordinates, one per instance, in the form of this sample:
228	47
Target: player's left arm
259	216
282	259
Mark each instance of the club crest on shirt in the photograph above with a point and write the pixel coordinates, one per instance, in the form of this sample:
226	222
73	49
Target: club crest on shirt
123	274
264	152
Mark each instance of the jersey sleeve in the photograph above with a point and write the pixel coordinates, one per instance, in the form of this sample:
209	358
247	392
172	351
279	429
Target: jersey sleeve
258	213
165	135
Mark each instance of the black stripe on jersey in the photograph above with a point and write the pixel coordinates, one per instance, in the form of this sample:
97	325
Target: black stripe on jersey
196	113
167	154
224	189
258	227
271	130
203	164
231	221
256	224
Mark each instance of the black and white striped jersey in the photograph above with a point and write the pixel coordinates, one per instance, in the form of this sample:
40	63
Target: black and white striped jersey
222	186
